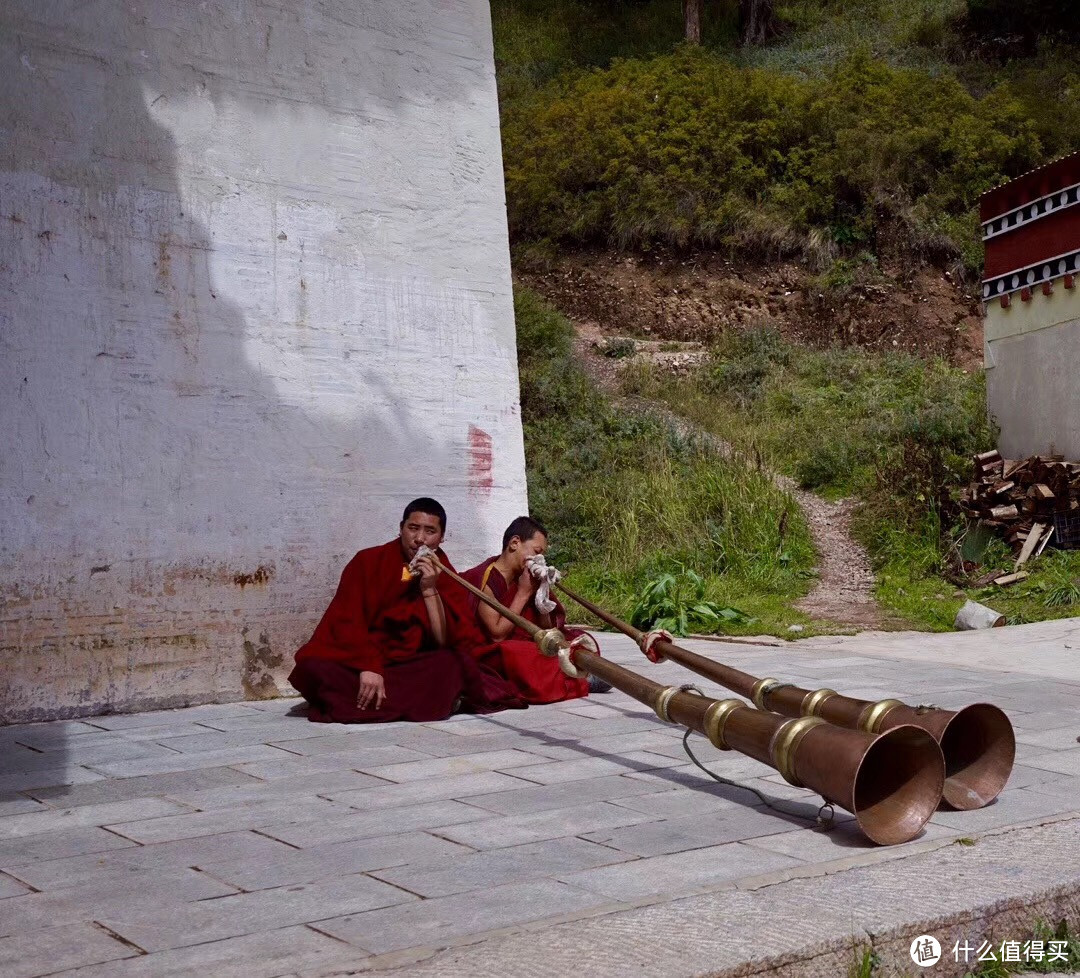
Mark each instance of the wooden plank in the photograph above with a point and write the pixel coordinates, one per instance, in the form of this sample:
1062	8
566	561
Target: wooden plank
1045	540
1010	579
1004	512
1032	541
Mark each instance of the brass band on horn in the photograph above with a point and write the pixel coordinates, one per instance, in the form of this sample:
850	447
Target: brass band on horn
812	704
716	717
874	715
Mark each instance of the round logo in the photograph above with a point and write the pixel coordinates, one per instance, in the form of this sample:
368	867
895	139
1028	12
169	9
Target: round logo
925	951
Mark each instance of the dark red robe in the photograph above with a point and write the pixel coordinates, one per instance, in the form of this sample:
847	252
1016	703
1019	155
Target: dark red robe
377	622
535	677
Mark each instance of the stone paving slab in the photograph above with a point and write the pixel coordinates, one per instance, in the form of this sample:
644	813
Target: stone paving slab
257	815
55	845
135	860
148	786
365	825
412	850
523	842
12	804
289	951
58	949
173	888
496	867
435	921
36	823
200	921
9	887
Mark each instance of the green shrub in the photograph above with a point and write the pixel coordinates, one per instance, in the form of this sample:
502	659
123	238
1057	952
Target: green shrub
687	149
828	463
741	365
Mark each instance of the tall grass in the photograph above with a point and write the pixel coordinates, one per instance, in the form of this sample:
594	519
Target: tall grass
625	496
893	431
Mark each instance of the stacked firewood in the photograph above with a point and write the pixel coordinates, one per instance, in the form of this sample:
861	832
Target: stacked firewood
1021	500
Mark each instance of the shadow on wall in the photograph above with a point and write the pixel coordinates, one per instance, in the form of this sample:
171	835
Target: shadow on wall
228	347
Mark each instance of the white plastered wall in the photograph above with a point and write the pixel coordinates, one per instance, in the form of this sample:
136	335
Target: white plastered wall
1032	352
254	296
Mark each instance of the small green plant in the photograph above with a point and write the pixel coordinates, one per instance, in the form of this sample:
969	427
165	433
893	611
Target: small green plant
676	601
865	963
1067	941
990	968
1049	950
1062	595
965	841
619	347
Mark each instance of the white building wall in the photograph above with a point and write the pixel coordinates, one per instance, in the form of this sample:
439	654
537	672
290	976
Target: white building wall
1032	352
254	296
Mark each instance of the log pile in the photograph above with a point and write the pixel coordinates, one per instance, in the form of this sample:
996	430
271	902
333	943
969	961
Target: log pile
1020	500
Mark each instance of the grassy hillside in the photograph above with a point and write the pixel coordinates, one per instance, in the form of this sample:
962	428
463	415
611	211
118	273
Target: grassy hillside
861	138
869	127
626	499
890	429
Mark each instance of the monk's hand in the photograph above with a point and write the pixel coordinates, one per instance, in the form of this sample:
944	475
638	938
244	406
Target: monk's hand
526	583
372	691
429	573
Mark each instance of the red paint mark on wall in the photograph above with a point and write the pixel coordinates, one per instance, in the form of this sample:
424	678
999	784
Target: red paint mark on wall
481	460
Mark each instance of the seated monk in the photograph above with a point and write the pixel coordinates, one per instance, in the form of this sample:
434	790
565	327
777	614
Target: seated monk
506	577
398	646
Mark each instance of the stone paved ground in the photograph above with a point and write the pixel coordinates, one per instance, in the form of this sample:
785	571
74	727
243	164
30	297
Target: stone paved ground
241	840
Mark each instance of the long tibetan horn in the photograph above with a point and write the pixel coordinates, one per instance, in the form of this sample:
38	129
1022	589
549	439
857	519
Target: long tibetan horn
891	782
977	741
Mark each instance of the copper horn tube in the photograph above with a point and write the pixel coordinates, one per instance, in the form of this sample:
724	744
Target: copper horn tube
891	782
977	741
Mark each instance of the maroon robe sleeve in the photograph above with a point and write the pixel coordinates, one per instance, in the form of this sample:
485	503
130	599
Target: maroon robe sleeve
342	634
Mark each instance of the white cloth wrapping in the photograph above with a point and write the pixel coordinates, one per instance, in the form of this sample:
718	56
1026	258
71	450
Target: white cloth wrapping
423	551
545	577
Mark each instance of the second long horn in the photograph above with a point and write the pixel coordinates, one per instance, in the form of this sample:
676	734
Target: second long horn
977	742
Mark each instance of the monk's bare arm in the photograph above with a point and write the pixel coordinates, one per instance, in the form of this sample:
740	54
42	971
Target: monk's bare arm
429	576
436	615
494	624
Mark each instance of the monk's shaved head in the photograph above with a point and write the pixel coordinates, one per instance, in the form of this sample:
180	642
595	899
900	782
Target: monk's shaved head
524	528
428	506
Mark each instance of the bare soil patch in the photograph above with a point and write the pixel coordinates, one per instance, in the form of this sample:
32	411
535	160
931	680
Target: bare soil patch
700	297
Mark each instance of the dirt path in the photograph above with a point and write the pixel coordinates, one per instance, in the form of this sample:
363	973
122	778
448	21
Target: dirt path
843	593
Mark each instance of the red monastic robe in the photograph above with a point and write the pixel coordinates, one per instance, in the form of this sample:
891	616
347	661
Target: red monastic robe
536	678
377	622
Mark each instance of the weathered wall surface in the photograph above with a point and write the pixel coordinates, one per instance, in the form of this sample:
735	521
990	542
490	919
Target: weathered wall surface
1032	353
254	296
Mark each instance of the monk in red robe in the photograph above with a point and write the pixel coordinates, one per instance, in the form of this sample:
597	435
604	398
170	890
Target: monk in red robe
394	645
506	577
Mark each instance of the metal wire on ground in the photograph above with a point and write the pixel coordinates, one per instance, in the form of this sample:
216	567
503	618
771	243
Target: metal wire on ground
821	822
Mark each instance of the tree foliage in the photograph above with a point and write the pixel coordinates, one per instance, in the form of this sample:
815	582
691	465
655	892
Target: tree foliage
689	150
